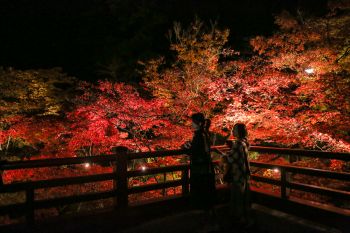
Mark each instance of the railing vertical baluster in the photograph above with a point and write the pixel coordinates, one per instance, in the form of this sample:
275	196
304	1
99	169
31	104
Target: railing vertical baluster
122	179
115	182
185	181
30	206
164	180
283	183
288	180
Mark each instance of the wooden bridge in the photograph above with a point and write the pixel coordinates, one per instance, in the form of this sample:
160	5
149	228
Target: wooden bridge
280	196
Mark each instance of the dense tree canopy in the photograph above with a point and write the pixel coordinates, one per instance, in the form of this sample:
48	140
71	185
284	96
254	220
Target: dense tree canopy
110	114
292	90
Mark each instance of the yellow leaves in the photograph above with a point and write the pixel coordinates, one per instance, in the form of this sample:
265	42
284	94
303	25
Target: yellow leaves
53	110
321	107
184	85
34	92
286	21
151	68
259	44
344	57
197	45
314	36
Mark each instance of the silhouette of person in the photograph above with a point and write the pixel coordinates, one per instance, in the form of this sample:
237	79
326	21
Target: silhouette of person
237	159
202	182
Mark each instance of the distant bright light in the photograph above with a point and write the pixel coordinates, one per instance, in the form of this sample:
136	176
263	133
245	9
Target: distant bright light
143	168
276	170
87	165
309	70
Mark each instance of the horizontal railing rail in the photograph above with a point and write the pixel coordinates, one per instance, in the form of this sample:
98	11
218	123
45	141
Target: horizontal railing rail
16	187
284	181
121	175
295	152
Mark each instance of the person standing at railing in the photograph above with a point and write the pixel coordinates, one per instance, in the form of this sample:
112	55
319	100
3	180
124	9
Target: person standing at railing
202	177
238	174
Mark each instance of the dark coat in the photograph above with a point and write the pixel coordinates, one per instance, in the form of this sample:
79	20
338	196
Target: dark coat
200	153
202	179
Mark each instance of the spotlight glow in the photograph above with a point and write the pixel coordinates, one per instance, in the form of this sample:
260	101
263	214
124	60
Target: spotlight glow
87	165
309	70
276	170
143	168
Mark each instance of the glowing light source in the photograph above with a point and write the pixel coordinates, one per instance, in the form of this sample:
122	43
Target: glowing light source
143	168
309	70
276	170
87	165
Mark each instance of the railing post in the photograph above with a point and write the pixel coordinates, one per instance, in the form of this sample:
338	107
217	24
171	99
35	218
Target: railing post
185	182
30	206
284	183
115	182
288	179
121	184
164	180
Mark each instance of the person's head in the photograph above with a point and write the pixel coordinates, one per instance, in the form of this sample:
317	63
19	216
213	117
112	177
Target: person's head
120	150
240	131
198	121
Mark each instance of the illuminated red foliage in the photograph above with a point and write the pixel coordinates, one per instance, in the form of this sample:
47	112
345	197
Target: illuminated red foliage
293	91
114	114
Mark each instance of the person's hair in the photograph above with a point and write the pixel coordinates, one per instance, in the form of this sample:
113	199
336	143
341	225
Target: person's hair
198	118
207	124
241	130
120	150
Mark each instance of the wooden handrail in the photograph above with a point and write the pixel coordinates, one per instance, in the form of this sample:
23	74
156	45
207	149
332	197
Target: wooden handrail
48	203
284	183
150	187
294	152
98	159
17	187
304	170
159	170
140	155
56	162
120	177
300	152
143	155
319	190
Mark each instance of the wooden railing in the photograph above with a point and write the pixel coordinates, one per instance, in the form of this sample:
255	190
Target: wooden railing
121	175
285	171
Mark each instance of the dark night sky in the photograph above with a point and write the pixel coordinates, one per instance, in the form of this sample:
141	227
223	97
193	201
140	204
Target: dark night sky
78	35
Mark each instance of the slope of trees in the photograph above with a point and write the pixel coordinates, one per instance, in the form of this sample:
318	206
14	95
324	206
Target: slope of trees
291	91
33	107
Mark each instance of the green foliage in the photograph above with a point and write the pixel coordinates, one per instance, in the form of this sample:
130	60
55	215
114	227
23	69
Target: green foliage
197	45
253	155
34	92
